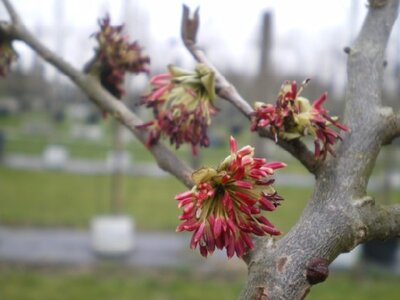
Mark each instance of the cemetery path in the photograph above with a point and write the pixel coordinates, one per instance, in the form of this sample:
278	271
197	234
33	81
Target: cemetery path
72	247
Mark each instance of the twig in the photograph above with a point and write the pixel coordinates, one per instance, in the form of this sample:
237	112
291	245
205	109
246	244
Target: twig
227	91
298	149
165	158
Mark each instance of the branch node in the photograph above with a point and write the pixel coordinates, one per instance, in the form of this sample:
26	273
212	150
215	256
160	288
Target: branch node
361	233
386	112
317	270
377	3
281	263
367	200
261	293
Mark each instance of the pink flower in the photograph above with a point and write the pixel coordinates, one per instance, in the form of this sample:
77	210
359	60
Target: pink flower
182	104
225	206
292	117
324	136
115	56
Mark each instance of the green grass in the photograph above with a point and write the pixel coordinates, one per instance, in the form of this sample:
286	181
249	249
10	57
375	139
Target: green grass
58	199
366	287
112	283
115	284
50	198
20	138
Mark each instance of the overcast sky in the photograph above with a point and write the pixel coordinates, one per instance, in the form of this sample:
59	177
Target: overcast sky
306	33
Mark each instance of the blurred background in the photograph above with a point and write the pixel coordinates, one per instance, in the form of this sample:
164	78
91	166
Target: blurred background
65	172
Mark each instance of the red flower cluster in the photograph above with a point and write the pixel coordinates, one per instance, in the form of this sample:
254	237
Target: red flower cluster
115	56
293	117
7	55
182	104
224	207
324	137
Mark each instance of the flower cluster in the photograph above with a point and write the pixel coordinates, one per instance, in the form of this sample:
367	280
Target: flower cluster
182	103
7	55
294	116
224	206
115	56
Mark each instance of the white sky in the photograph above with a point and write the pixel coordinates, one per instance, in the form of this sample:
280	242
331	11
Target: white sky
307	33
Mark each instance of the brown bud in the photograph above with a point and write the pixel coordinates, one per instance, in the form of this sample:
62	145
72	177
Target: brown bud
317	270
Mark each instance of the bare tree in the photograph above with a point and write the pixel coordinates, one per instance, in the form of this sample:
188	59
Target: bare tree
340	214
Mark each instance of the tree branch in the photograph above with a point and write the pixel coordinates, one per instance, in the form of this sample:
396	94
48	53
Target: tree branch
392	127
298	149
12	12
377	221
165	158
365	64
363	112
227	91
332	223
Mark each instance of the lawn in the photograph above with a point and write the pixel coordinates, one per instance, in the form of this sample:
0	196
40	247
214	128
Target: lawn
31	133
51	198
105	283
59	199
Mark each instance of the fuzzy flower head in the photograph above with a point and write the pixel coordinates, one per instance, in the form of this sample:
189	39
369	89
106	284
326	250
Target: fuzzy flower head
116	56
182	103
293	116
7	55
225	205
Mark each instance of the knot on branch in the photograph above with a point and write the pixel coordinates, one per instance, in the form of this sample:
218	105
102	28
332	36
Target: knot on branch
261	294
377	3
317	270
364	201
281	263
189	25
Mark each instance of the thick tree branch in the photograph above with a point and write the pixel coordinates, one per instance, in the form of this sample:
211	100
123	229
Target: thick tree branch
363	111
165	158
365	65
227	91
332	222
377	221
392	128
